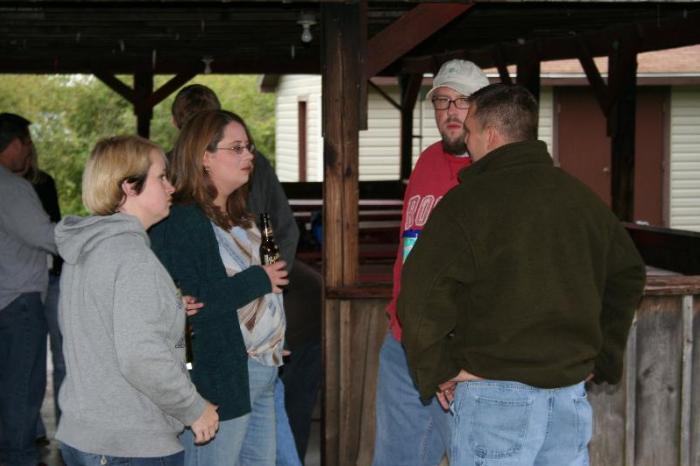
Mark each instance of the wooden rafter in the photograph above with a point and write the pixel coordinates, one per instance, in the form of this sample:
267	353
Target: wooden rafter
422	21
600	89
652	35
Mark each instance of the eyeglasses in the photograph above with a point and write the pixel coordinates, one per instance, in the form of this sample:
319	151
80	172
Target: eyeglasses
443	103
239	148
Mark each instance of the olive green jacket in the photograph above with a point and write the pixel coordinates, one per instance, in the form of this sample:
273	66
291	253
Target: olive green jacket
521	274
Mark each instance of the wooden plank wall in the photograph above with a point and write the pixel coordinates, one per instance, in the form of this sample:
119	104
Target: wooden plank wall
651	418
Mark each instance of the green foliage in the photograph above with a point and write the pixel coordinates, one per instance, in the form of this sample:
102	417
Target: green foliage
71	113
238	94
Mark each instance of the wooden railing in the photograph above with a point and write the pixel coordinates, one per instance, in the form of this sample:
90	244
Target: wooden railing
652	418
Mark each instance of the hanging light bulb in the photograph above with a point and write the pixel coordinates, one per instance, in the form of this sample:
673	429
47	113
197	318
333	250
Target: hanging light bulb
207	64
306	36
306	20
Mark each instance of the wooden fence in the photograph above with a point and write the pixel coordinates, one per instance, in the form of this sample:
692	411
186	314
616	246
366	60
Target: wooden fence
652	418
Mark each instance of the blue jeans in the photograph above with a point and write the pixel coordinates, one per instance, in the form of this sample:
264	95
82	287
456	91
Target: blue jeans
512	424
247	440
55	339
74	457
286	448
301	376
56	342
22	377
408	432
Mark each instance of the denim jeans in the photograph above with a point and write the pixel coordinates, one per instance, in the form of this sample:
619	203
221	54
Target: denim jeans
22	377
408	432
74	457
247	440
55	339
512	424
286	448
223	450
56	345
301	375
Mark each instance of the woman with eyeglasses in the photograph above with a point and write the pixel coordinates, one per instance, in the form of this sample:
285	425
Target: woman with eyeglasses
210	245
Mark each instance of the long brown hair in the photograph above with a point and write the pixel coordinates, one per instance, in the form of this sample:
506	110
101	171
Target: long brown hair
201	133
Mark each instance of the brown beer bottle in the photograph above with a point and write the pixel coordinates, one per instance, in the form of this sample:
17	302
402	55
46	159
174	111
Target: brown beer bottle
269	252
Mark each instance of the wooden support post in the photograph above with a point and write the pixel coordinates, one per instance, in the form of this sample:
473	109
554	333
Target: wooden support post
622	85
687	381
410	85
529	69
142	96
341	121
501	65
143	89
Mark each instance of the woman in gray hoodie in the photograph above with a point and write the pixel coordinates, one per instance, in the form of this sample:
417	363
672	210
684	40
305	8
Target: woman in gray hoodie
127	394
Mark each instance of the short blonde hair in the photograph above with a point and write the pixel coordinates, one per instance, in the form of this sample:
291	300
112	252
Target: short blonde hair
115	160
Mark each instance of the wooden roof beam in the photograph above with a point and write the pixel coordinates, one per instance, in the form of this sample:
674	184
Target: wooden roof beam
600	89
393	42
651	35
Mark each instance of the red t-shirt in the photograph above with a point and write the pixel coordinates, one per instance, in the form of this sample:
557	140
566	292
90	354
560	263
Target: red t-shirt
435	173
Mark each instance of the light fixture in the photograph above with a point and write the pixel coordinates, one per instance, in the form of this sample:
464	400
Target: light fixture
207	64
306	20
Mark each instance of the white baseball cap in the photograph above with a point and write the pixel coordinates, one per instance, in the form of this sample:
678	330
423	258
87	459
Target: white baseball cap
461	76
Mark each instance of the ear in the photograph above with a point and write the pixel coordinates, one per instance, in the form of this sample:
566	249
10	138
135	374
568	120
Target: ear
128	189
493	139
206	159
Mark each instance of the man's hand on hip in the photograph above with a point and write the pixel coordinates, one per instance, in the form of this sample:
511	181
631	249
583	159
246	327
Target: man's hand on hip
446	390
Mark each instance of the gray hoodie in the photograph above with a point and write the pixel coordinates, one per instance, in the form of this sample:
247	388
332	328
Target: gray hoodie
126	391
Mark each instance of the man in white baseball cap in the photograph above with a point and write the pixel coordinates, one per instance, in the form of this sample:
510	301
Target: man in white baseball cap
407	431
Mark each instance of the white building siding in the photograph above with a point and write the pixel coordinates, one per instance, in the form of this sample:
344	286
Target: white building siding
685	159
290	90
546	122
379	144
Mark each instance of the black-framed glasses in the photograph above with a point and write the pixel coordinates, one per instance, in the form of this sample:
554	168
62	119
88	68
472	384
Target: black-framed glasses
443	103
239	148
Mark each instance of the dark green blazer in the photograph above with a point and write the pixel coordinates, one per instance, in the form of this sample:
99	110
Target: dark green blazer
521	273
186	245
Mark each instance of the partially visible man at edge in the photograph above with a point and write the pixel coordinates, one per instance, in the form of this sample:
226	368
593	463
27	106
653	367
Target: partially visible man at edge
26	237
409	432
522	286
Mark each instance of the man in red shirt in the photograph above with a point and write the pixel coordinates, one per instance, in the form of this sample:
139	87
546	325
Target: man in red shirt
407	431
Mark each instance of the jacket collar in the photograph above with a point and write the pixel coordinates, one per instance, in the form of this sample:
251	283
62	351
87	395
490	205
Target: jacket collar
508	156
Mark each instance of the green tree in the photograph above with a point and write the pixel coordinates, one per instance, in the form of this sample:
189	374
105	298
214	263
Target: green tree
70	113
237	93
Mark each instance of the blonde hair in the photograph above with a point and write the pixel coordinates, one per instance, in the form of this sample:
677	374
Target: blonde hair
115	160
201	133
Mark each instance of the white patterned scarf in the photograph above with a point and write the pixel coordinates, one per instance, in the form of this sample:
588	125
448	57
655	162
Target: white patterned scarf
262	320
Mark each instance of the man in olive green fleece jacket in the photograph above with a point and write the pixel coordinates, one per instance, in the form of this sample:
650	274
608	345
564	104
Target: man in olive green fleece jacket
522	285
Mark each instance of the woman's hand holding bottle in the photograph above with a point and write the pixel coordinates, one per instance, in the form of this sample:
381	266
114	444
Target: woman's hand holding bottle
277	274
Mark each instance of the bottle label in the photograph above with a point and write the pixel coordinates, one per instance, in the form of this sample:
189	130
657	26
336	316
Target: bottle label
267	259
